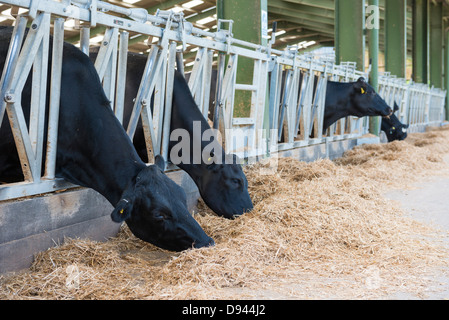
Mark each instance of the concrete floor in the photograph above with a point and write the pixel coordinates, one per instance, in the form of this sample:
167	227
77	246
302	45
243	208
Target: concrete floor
428	202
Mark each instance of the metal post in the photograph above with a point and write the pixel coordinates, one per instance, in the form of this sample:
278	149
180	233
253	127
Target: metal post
121	75
374	122
420	41
395	37
349	31
436	43
55	93
84	39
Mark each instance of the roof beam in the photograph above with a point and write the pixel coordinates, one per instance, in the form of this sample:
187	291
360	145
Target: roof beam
305	17
327	29
323	4
301	8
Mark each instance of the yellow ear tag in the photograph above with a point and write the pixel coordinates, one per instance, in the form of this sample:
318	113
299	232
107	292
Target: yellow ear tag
121	211
363	91
209	159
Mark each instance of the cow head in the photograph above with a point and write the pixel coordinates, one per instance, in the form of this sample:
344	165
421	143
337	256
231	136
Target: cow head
154	208
393	128
223	186
366	102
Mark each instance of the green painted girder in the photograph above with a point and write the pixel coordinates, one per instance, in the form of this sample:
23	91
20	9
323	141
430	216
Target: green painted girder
395	37
280	4
302	16
436	44
420	41
323	4
349	31
327	29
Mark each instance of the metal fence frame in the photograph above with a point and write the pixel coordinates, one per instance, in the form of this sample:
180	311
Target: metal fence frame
419	104
296	113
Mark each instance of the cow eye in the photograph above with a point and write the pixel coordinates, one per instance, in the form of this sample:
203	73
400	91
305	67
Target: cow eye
161	215
236	181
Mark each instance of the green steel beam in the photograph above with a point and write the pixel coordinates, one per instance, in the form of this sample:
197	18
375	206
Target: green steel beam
325	29
396	37
374	58
305	17
421	41
436	44
349	31
326	13
323	4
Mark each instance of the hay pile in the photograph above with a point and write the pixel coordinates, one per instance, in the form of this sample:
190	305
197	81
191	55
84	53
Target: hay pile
318	230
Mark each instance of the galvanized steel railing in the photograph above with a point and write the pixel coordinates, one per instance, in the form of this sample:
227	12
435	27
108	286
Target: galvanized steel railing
295	106
419	104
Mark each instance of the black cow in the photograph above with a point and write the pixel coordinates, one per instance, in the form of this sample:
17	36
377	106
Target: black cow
357	99
94	151
393	128
220	181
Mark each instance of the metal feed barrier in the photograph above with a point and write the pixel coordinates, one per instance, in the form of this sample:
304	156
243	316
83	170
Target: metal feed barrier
419	105
295	85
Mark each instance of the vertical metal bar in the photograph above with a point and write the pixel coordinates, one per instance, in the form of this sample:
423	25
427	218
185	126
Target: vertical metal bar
219	81
374	122
284	105
121	75
84	39
197	69
38	99
165	139
205	87
55	93
180	62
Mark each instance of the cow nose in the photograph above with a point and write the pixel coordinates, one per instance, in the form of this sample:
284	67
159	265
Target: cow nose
209	243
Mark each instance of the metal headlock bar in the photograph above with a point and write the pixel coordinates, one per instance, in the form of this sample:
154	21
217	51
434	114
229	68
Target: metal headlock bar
418	103
295	84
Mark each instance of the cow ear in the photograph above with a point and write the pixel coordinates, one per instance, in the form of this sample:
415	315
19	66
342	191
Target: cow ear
406	126
396	107
159	161
360	86
122	210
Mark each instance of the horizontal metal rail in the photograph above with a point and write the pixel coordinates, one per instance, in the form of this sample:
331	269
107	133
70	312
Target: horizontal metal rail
295	106
419	104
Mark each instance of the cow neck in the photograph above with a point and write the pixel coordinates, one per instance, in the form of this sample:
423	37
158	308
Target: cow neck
105	158
109	178
337	102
